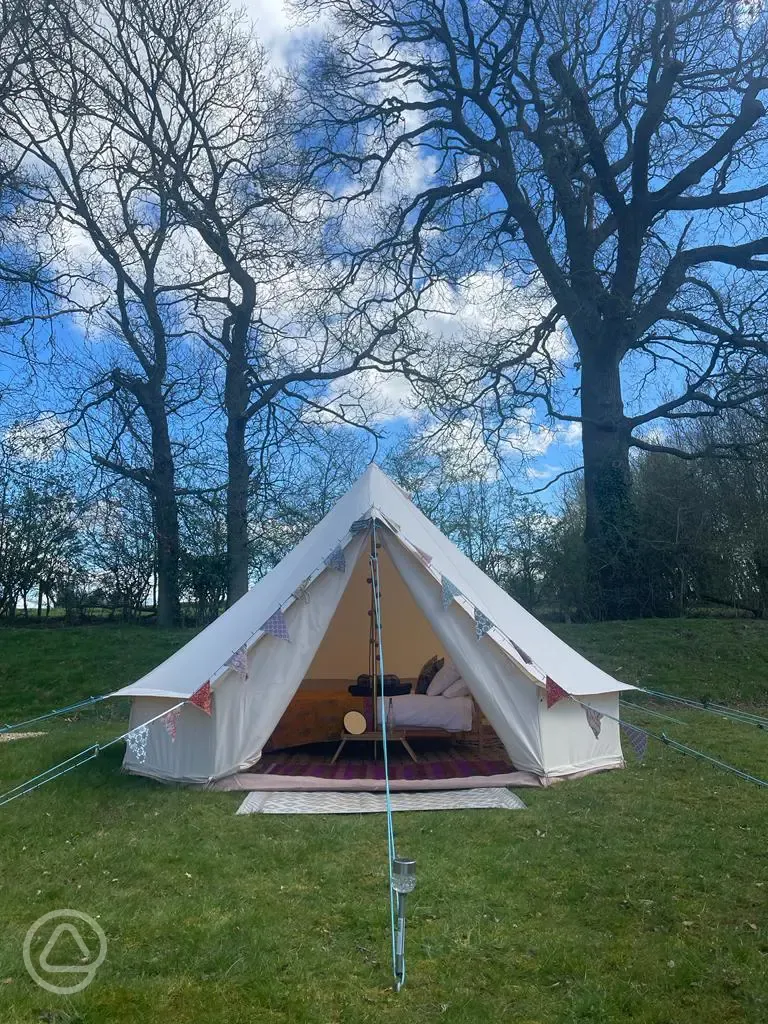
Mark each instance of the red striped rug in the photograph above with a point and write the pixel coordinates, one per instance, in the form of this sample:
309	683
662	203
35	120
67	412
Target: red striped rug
434	765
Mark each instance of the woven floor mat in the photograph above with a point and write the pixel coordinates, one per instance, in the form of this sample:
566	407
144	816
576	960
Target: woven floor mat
372	803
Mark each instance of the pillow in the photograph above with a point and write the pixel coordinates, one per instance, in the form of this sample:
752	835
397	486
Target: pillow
457	689
428	673
448	674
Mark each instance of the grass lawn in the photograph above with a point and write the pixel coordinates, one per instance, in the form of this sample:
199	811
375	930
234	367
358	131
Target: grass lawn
635	896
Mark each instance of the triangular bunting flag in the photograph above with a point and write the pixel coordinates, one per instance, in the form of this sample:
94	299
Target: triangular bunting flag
169	721
450	591
239	661
554	692
595	720
203	698
301	593
637	738
426	559
276	626
526	658
336	560
136	741
482	624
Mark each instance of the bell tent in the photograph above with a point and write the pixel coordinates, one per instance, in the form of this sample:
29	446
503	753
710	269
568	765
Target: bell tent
304	630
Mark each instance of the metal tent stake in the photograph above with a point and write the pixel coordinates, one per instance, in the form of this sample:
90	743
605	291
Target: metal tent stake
403	882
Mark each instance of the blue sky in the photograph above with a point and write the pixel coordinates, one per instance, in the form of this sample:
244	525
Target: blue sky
549	449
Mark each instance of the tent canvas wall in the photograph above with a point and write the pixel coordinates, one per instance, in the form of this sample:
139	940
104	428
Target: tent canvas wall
508	686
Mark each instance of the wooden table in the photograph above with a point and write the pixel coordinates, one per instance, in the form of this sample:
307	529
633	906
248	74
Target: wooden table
375	736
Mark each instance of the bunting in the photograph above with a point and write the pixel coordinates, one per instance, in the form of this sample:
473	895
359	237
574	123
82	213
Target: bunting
637	738
426	559
203	698
336	560
595	720
239	661
277	626
301	593
482	624
554	692
450	590
169	721
526	658
136	741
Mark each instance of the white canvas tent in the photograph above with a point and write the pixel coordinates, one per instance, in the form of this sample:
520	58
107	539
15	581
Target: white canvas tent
328	629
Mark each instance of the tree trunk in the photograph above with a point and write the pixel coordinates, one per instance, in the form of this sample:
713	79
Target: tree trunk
610	532
236	400
163	490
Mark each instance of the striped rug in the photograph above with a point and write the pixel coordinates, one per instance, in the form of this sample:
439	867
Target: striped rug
432	766
372	803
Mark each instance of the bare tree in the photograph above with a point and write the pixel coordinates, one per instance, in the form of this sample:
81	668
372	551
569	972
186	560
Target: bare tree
118	548
125	241
608	152
40	514
458	486
214	126
35	286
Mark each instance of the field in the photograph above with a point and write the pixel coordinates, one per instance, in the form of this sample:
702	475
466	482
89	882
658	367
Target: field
635	896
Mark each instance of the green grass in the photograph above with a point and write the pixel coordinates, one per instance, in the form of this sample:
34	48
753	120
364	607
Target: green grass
725	658
635	896
42	668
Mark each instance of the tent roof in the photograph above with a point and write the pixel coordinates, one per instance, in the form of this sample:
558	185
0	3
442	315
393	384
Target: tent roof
204	655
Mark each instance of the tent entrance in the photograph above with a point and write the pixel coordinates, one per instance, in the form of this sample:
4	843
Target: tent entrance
450	736
409	640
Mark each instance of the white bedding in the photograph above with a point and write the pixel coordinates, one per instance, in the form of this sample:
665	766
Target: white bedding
454	714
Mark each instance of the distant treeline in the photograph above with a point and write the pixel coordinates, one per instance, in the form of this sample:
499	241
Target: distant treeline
700	538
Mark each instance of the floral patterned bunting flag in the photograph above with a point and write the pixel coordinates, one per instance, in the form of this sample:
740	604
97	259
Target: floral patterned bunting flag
277	626
595	720
336	560
482	624
637	738
239	661
203	698
136	741
450	590
554	692
169	721
301	593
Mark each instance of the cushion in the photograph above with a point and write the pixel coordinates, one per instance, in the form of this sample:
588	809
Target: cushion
428	673
392	687
457	689
448	674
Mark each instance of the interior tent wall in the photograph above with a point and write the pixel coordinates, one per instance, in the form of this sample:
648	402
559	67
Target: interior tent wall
276	668
507	698
409	639
245	713
570	746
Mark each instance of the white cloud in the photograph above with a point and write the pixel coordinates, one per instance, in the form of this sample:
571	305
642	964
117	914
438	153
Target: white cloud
654	433
37	440
541	472
274	27
569	434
